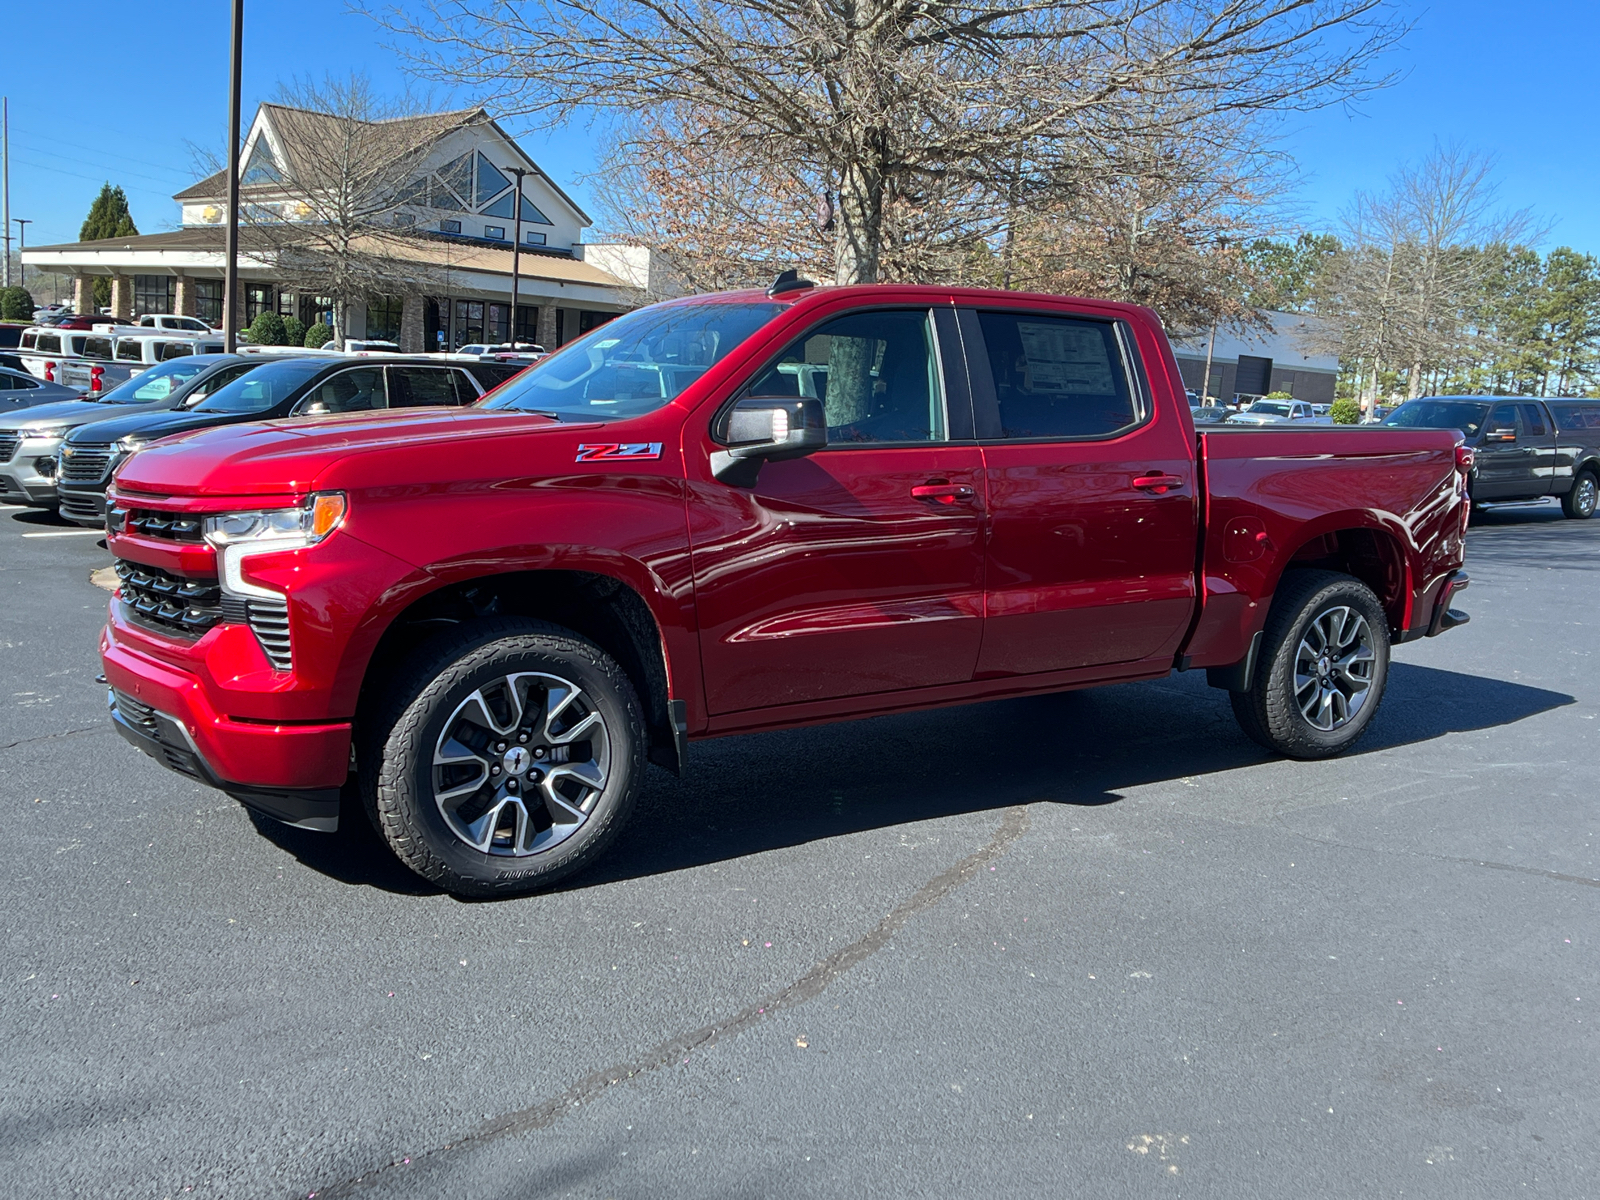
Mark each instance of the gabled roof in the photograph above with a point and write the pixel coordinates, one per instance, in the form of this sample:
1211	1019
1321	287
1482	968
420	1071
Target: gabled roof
298	132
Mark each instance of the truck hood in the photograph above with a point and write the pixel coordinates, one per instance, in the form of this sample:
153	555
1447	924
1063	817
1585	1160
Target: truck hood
287	455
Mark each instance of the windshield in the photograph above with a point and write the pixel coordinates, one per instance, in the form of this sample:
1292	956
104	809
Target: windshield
1464	415
1273	408
636	363
155	384
263	388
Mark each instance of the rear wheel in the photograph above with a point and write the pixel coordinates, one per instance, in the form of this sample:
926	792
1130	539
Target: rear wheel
508	759
1322	667
1581	501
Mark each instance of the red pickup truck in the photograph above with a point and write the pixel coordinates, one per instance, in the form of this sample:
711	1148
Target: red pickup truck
743	512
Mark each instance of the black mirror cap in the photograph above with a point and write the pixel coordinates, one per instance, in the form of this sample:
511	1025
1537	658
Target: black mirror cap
763	428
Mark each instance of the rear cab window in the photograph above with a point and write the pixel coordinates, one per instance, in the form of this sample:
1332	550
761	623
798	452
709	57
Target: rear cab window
1054	377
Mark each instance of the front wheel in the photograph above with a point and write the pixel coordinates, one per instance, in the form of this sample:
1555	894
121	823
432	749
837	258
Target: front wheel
1321	669
1580	502
508	758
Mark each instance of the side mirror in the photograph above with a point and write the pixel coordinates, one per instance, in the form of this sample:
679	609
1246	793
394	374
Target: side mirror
315	409
762	428
1499	437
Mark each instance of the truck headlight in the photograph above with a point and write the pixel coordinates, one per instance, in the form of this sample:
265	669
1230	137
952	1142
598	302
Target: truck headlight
45	433
237	536
131	443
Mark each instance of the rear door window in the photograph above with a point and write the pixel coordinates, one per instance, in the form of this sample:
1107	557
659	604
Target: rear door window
1577	416
97	347
166	351
413	387
349	391
130	351
1057	377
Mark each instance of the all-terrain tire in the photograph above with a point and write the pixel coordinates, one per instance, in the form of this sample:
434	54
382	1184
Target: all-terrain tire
1580	502
1270	712
396	755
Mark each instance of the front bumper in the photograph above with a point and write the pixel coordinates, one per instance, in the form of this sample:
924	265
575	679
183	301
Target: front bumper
83	504
295	769
22	481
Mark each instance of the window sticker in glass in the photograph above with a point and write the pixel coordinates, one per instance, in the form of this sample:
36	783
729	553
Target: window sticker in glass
1056	376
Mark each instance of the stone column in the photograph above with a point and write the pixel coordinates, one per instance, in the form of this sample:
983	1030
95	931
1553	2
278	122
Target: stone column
184	301
83	295
411	324
122	295
547	326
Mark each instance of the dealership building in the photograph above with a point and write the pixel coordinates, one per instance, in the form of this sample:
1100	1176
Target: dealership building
1275	359
451	251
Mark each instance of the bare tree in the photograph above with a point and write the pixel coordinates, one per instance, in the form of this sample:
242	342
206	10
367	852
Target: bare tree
327	211
882	104
1406	293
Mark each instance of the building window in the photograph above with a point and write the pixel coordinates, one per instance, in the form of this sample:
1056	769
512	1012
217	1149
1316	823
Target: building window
592	320
257	300
527	323
495	232
286	303
498	327
533	239
469	324
383	318
449	226
316	310
208	300
154	294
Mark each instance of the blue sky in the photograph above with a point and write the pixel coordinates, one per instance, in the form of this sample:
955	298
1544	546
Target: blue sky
1514	81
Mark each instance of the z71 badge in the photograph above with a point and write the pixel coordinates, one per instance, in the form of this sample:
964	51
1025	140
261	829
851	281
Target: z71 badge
614	450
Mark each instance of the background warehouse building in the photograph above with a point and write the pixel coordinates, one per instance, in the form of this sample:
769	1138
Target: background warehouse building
1273	360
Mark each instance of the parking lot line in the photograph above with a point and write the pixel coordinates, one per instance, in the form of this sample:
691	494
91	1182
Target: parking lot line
69	533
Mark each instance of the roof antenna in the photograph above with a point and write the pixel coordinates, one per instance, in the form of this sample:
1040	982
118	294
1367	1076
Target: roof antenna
789	281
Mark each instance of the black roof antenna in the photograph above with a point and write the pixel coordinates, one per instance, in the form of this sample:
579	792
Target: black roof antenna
789	281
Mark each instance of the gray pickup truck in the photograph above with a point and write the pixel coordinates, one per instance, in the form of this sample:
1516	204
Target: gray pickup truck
1523	448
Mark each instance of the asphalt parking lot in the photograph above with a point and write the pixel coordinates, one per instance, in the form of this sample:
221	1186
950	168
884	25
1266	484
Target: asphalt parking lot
1094	944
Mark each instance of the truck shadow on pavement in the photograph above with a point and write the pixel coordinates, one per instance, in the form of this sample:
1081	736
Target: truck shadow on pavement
746	795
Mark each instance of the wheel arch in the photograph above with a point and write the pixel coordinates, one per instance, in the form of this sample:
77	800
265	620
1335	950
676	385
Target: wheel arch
1364	548
610	611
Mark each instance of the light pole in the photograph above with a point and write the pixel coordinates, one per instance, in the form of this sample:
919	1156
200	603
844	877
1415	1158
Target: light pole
230	276
516	251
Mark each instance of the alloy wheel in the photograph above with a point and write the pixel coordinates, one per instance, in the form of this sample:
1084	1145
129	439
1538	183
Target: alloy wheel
1587	496
521	764
1333	668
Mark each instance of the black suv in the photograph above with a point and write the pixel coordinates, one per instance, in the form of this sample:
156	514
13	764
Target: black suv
272	387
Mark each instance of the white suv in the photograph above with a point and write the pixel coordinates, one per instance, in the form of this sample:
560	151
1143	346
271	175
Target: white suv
173	322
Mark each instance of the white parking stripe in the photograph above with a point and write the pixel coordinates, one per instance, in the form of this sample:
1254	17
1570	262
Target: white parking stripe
69	533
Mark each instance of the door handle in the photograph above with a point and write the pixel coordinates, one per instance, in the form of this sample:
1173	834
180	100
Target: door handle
944	493
1159	484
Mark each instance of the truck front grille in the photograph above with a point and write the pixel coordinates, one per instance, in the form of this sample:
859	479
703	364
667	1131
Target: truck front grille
176	526
171	603
268	620
10	439
86	463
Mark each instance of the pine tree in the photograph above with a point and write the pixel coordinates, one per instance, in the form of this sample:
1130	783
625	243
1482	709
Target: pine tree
108	217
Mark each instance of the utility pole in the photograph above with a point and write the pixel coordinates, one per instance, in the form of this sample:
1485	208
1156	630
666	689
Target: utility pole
5	186
1205	387
516	251
230	285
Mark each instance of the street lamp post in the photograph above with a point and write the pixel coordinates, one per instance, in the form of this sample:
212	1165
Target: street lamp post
516	250
22	224
230	285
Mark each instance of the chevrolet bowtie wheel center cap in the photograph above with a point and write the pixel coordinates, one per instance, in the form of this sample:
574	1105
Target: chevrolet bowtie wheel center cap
517	760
